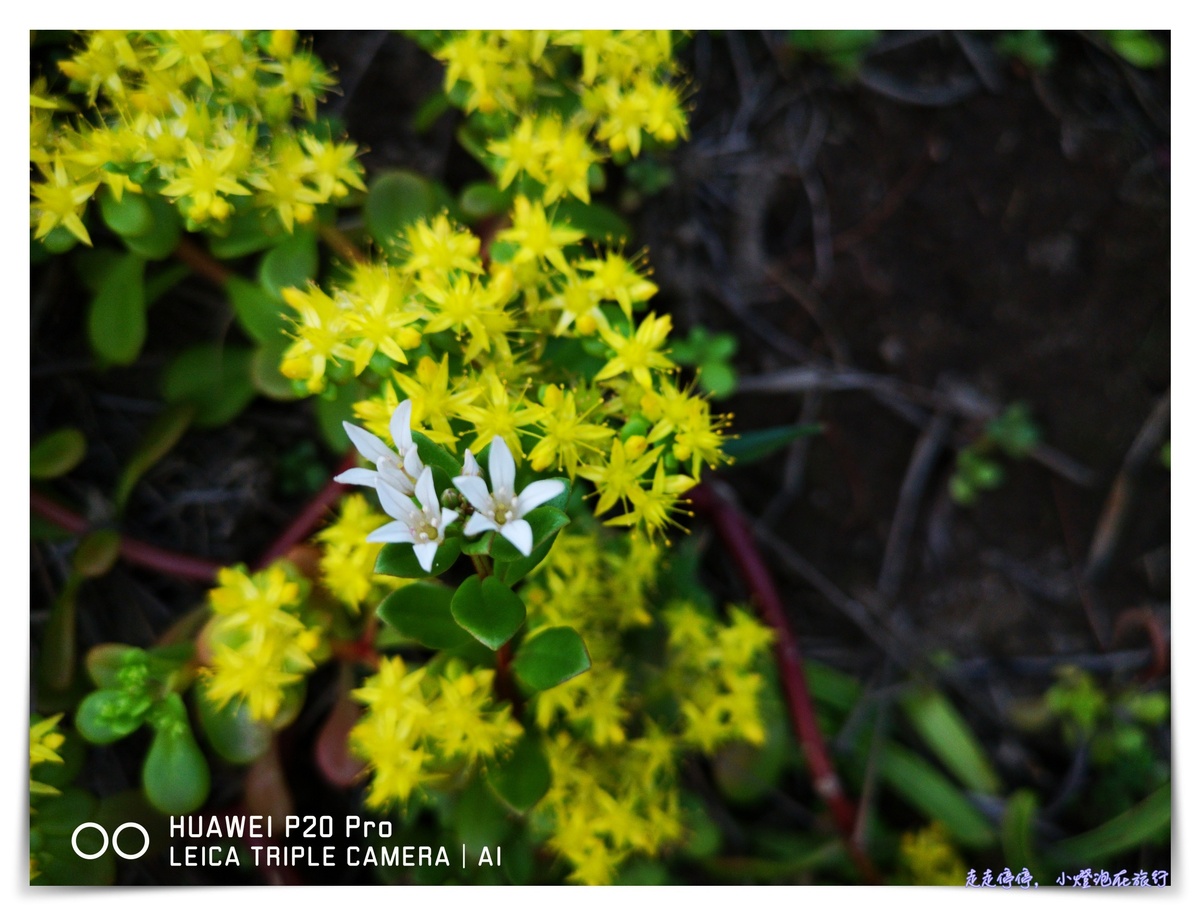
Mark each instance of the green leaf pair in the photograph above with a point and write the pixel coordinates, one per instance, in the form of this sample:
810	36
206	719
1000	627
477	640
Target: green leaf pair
487	610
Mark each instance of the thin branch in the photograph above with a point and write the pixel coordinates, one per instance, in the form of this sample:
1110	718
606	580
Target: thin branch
132	551
202	263
739	541
309	516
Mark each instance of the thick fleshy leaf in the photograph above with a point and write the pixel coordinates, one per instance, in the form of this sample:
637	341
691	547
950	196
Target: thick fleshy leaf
105	662
57	453
107	715
97	553
117	317
162	237
399	559
265	374
421	611
212	378
523	778
259	313
488	609
244	233
292	262
131	215
395	200
175	773
230	730
551	657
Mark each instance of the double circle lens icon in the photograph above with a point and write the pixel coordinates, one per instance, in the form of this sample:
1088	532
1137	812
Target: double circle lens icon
116	834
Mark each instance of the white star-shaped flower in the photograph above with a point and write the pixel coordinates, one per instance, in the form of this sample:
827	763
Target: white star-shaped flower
424	525
398	470
504	509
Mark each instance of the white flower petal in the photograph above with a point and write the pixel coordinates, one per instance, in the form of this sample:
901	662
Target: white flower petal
501	466
471	466
536	493
426	494
412	463
519	534
396	503
449	516
401	426
392	532
396	478
357	476
425	553
476	492
478	523
369	446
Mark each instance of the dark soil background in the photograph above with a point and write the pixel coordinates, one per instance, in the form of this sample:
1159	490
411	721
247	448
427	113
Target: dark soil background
944	235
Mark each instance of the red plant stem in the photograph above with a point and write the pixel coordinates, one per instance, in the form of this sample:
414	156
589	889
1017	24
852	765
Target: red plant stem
133	551
310	516
202	263
738	539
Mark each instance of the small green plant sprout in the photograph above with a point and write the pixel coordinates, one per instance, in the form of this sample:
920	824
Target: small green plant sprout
1118	728
137	687
1013	434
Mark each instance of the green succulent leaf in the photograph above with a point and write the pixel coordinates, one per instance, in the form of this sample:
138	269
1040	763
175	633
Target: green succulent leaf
551	657
175	773
230	730
213	379
57	453
421	611
395	201
292	262
117	317
107	715
523	778
488	609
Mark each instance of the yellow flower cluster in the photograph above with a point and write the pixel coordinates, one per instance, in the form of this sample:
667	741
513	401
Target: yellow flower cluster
348	560
607	804
259	646
621	78
929	858
420	727
711	673
202	118
500	350
615	791
44	743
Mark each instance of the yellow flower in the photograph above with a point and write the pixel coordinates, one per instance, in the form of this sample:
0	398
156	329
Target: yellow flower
536	237
204	180
61	201
44	743
434	401
638	354
565	433
619	477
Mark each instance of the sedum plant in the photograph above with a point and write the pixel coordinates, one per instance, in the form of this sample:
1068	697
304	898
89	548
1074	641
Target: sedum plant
494	592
